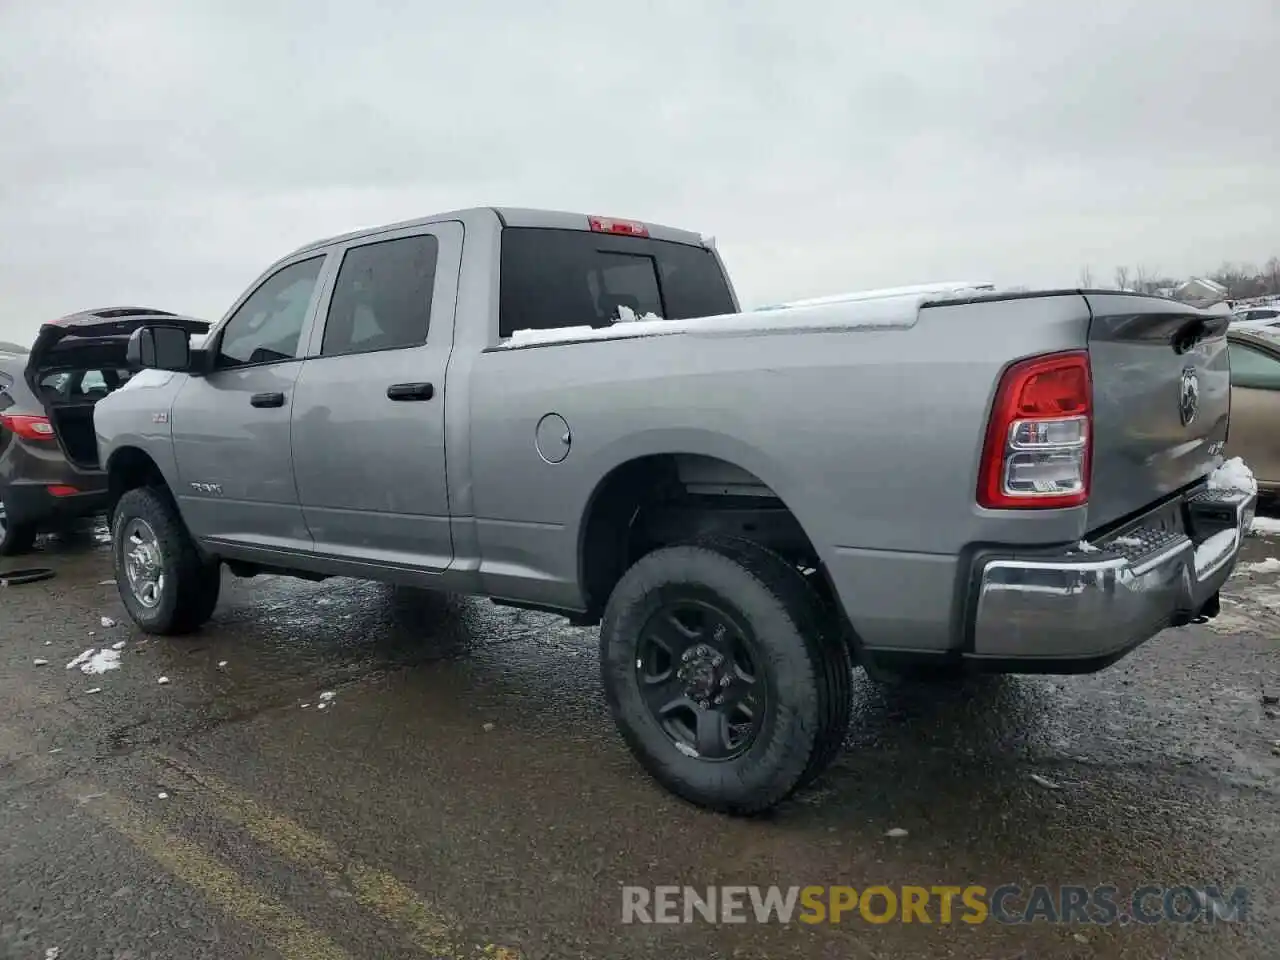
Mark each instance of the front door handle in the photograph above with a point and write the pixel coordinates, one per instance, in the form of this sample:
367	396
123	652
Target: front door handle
410	391
267	400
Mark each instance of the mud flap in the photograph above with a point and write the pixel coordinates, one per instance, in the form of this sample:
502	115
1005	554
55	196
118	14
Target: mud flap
1212	607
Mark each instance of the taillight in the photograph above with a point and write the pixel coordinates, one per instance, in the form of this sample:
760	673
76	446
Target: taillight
29	428
1039	437
630	228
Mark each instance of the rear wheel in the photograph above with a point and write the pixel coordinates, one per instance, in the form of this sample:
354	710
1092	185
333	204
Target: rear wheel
15	538
166	585
724	674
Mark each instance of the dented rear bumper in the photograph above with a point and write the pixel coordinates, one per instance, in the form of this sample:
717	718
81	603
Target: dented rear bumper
1079	608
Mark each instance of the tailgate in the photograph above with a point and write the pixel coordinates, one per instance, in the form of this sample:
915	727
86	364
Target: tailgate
59	339
1161	397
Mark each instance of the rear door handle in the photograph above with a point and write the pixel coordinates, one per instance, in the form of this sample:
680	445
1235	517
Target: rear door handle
267	400
410	391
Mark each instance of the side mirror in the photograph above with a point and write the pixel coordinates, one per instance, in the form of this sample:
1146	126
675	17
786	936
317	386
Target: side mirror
159	348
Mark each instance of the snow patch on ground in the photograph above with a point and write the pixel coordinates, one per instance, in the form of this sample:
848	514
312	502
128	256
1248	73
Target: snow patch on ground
82	658
1267	525
1269	565
1084	546
101	662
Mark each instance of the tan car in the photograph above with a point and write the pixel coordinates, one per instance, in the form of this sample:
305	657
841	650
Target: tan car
1255	403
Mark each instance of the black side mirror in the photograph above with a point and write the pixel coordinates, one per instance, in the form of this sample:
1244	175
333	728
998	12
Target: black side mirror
159	348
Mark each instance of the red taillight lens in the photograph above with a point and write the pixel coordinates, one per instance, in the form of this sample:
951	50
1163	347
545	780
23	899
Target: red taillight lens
29	428
60	490
630	228
1040	435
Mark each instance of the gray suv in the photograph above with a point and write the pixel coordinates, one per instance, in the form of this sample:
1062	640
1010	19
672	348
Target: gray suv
49	470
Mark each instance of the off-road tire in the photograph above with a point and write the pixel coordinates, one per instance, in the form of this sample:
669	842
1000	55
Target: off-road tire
15	538
192	583
807	670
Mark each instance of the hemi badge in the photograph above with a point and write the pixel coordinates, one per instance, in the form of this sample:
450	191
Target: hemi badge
160	418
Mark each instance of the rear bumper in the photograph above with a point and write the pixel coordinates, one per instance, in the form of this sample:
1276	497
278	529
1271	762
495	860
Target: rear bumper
1077	611
33	503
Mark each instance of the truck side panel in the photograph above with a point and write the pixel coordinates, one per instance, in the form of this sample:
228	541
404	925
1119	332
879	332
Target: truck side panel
870	436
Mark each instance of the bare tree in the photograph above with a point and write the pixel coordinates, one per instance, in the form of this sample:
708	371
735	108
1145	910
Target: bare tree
1122	278
1273	275
1239	279
1086	277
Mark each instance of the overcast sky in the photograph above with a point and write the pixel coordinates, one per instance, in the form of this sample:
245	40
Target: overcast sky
162	153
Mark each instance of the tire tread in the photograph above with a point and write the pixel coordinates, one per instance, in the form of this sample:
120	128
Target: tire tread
196	581
825	652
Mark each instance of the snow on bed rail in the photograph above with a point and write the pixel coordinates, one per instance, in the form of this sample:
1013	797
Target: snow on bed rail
935	290
886	312
1234	474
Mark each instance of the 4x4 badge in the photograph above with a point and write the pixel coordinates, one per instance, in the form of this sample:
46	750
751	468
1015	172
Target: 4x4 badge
1189	396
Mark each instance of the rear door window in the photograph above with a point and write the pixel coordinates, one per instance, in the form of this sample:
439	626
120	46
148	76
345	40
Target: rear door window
570	278
382	297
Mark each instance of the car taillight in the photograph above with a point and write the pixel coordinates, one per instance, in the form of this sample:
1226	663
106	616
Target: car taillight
630	228
1040	435
29	428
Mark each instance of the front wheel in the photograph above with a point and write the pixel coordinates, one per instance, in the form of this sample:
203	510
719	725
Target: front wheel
723	673
166	585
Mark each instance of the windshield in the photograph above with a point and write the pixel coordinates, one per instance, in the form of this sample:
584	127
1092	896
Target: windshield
569	278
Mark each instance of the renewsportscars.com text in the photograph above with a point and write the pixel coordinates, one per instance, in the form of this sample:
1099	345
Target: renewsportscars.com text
940	904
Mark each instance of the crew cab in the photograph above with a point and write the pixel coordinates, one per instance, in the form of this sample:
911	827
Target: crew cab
573	413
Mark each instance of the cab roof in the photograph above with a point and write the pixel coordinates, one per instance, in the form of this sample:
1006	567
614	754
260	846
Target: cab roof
510	217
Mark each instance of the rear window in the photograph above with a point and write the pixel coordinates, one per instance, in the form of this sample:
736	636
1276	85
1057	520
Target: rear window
572	278
69	386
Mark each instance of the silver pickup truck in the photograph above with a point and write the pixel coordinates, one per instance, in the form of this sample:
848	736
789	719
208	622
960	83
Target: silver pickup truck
572	413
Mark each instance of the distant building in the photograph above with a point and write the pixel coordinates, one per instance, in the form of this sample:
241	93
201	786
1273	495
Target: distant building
1200	289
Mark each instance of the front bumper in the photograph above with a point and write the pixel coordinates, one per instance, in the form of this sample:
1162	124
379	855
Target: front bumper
1077	610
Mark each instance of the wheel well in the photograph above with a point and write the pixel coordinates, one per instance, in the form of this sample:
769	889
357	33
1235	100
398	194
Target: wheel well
654	501
128	469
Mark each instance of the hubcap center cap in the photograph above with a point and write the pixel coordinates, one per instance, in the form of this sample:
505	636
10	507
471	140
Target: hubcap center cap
705	674
143	563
